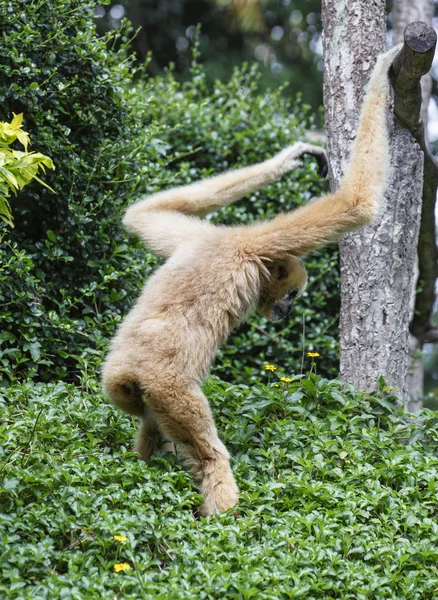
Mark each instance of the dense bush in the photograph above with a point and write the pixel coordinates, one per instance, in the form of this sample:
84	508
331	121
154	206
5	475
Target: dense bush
67	271
338	500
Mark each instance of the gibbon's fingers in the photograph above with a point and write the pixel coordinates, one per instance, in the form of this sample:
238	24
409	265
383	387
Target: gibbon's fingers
321	159
287	158
359	196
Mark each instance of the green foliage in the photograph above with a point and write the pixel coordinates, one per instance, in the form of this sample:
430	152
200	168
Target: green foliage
17	168
283	38
338	499
68	272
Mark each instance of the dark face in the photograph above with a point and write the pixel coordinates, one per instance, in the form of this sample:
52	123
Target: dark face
283	307
287	281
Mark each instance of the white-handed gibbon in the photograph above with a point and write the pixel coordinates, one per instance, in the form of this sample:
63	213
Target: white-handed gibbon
215	275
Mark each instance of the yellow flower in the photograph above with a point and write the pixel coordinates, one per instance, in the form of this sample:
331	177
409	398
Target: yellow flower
121	567
313	354
120	538
276	385
286	379
270	368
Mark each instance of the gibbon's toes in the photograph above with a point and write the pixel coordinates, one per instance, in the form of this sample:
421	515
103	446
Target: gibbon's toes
223	496
211	507
227	500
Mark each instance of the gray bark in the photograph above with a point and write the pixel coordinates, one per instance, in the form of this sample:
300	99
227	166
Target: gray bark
377	262
404	12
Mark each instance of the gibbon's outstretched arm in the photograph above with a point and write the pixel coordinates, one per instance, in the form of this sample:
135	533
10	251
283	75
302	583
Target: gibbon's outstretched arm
359	196
167	219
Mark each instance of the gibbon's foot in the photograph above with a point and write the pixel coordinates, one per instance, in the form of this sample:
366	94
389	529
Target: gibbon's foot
218	487
149	438
211	507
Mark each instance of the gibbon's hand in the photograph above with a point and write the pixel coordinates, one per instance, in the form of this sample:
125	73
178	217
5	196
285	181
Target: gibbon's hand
286	160
321	159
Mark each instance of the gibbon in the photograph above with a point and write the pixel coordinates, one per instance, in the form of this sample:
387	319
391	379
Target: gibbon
214	276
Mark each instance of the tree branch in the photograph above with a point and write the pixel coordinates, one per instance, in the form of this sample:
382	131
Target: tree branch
413	61
430	336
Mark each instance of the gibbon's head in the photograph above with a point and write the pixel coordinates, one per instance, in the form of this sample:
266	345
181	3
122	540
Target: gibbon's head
286	282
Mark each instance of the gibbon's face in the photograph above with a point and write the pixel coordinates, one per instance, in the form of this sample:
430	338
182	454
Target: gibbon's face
287	282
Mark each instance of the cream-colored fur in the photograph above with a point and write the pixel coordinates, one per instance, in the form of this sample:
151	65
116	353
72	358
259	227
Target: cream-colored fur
214	276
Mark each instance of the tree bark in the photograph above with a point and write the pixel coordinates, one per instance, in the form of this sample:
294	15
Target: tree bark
404	12
377	262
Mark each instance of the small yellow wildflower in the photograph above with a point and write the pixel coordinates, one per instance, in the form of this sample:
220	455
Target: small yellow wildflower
276	385
270	368
121	567
286	379
120	538
313	354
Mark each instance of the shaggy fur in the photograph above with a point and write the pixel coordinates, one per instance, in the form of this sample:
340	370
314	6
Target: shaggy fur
214	276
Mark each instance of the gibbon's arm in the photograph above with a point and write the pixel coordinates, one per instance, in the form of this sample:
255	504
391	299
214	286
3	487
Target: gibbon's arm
164	231
359	196
208	195
161	221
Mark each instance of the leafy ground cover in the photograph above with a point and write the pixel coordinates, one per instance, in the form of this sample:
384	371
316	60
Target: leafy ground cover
339	499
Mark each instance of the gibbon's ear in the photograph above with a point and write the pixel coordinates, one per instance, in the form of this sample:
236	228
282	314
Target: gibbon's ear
282	273
286	282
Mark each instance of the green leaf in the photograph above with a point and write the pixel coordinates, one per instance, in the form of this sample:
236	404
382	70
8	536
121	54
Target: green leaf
35	350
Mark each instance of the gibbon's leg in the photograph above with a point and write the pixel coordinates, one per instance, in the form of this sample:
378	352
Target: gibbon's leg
358	198
203	197
149	438
185	417
124	391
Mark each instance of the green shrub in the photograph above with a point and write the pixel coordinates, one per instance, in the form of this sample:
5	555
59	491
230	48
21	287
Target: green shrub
68	272
338	500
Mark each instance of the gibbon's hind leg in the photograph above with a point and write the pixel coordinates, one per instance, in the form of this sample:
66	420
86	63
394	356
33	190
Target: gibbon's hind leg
124	392
185	417
149	438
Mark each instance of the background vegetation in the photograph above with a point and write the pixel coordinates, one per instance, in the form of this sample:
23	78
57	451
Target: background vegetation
68	271
282	37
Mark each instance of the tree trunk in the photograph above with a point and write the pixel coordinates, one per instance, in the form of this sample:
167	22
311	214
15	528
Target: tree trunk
404	12
377	262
